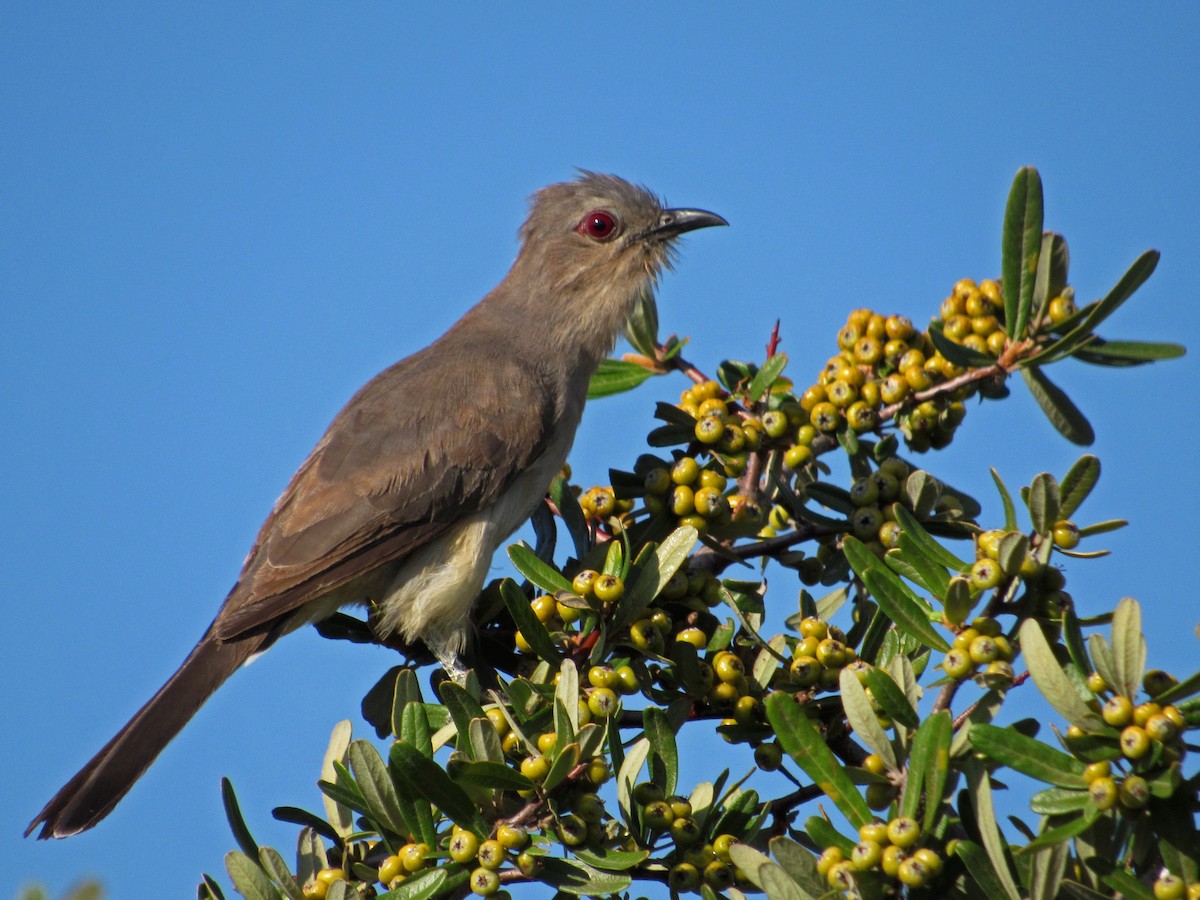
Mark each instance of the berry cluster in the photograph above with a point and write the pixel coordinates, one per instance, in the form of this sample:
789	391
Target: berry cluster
1148	746
694	859
981	645
887	847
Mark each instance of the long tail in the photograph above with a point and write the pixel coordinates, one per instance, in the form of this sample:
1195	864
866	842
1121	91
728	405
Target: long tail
96	789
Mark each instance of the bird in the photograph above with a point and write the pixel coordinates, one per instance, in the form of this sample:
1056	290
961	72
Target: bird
426	470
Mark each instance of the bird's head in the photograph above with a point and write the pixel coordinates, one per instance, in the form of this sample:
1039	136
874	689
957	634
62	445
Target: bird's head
597	244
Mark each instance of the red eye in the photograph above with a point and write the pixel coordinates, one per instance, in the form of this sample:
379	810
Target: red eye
598	225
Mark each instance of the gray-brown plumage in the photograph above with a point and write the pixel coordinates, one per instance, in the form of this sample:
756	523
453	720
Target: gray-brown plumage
427	469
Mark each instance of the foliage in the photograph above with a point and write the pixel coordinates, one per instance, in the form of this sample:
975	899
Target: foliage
559	761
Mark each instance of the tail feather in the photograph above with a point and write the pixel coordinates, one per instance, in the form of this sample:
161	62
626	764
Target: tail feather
95	790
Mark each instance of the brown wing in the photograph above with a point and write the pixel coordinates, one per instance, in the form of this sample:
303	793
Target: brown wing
418	448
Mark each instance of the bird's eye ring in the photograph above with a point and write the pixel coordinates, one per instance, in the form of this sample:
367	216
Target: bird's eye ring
599	225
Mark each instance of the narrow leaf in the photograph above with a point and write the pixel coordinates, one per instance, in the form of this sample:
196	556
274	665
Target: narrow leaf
654	571
975	858
926	542
980	788
1028	756
664	753
1062	413
1053	682
1128	647
1021	246
1129	353
766	376
249	878
377	787
545	576
1143	267
489	775
580	880
615	376
1077	484
1010	511
422	776
928	768
1060	833
1043	502
892	596
802	741
891	698
340	817
237	824
862	717
568	508
272	863
528	624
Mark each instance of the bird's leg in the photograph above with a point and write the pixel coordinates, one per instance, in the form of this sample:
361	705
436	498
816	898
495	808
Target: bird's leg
446	648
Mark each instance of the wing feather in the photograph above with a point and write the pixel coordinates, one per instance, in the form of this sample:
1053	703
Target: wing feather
397	467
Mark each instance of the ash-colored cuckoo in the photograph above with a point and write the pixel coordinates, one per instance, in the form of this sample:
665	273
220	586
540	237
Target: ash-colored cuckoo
427	469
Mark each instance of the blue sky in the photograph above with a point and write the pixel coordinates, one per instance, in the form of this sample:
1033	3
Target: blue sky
220	221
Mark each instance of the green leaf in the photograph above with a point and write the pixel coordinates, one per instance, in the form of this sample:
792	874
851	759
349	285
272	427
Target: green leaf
462	708
545	576
1100	352
1046	869
891	698
272	863
802	741
378	790
1010	511
421	776
641	328
928	545
528	624
979	785
959	354
824	834
610	860
862	717
1053	262
1053	682
627	773
415	726
928	768
975	858
1077	484
1028	756
1043	502
493	776
340	817
237	824
615	376
766	875
1021	246
1062	413
653	572
1075	825
566	758
765	377
1056	801
568	508
583	881
1143	267
1128	647
800	865
425	885
249	878
1102	659
664	753
891	594
566	702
